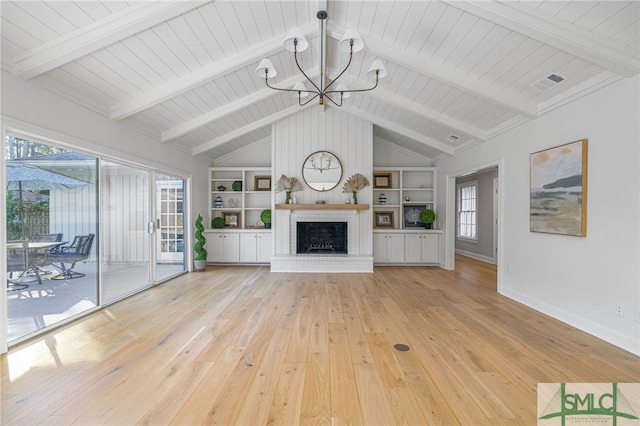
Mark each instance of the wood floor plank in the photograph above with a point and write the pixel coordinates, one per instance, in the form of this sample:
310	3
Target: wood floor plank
383	355
242	345
259	398
345	405
197	406
299	342
405	407
287	401
316	402
373	396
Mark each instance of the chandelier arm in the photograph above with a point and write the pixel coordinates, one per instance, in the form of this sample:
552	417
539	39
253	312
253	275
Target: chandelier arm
340	75
308	100
288	90
326	96
295	55
355	90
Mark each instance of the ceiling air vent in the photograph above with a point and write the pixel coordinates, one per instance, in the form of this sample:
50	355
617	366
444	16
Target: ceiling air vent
453	138
548	82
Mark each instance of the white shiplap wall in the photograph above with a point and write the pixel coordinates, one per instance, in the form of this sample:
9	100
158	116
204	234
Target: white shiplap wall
316	129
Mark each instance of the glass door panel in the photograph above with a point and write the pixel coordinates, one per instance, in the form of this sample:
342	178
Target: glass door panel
51	203
169	235
126	248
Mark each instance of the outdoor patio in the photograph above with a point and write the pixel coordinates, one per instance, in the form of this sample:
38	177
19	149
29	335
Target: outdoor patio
42	305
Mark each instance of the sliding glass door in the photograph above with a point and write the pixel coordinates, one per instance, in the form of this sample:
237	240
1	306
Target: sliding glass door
84	232
52	235
125	214
142	246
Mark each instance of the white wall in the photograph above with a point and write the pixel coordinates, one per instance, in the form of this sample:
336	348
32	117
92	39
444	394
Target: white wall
388	154
33	110
576	280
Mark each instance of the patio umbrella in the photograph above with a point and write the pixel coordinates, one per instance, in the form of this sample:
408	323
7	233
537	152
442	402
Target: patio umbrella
21	177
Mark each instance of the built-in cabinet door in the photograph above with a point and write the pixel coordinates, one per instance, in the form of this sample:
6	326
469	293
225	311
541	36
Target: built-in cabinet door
388	248
380	248
422	248
255	247
395	249
264	248
223	247
431	248
413	248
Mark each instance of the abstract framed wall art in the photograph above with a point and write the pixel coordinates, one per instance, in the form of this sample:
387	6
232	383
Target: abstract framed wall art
558	190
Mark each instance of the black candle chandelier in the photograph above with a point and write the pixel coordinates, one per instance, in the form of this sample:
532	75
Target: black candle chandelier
297	42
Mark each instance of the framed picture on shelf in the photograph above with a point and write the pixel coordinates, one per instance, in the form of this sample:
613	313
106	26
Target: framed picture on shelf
382	180
262	183
411	214
383	219
231	219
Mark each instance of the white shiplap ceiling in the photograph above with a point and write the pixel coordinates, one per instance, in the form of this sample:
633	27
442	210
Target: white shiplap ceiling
184	72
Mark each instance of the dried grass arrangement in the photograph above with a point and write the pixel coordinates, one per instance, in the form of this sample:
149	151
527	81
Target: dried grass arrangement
289	185
355	183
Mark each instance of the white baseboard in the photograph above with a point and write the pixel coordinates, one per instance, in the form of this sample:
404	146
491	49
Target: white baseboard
476	256
628	343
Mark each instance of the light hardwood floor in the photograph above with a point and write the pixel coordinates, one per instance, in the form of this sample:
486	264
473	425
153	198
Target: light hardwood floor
241	345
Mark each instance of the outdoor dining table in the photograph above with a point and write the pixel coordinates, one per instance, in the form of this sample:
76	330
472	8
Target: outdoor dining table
31	256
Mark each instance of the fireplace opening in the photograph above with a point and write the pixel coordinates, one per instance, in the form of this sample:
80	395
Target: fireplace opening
321	238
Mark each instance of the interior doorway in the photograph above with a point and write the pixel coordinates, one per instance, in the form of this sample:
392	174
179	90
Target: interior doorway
490	215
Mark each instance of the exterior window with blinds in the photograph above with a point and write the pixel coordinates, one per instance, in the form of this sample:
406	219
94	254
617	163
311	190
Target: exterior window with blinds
468	210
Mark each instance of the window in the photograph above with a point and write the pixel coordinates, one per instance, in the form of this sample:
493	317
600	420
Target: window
468	210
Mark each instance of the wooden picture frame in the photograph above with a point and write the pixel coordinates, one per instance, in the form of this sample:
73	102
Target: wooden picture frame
262	183
382	180
231	219
383	219
558	190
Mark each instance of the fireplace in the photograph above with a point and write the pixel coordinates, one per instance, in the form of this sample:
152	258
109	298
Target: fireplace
356	240
321	238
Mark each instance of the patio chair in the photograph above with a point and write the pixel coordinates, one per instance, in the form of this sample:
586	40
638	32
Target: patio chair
52	238
78	250
42	258
17	262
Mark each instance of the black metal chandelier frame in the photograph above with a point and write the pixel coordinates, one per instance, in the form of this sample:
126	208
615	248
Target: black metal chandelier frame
322	91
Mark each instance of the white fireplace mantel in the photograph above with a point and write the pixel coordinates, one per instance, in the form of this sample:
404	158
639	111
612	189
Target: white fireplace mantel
322	206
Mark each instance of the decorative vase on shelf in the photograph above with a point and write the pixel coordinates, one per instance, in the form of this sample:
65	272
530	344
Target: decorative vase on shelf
288	199
382	199
218	202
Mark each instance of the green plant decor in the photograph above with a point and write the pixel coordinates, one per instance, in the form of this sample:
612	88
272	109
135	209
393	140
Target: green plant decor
237	185
201	252
265	216
427	216
217	222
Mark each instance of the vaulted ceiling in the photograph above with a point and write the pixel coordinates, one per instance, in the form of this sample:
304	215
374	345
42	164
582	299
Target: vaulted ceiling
183	72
